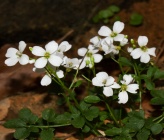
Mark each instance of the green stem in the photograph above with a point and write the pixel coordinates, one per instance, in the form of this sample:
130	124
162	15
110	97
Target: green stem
111	113
139	83
118	64
48	126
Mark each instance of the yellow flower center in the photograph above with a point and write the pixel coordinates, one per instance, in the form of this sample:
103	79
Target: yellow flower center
47	55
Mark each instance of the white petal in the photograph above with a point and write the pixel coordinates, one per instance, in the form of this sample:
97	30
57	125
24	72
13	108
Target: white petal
115	85
104	31
97	58
82	65
118	27
40	62
122	97
11	52
55	60
130	49
24	59
95	40
151	51
145	58
119	37
127	78
46	80
51	47
38	51
101	76
136	53
108	91
82	51
22	46
60	74
65	46
142	41
96	82
11	61
109	81
132	88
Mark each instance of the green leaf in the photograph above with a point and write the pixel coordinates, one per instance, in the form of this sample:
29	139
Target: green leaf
151	71
63	118
159	74
86	129
77	83
78	122
92	99
91	113
15	123
137	114
47	134
157	101
103	14
124	61
157	93
48	115
149	84
114	8
156	128
136	19
84	105
21	133
135	124
113	132
143	134
103	115
26	115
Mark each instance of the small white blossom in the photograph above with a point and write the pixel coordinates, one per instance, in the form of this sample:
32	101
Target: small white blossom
15	55
46	80
115	34
90	56
47	55
126	86
107	82
96	41
143	52
72	63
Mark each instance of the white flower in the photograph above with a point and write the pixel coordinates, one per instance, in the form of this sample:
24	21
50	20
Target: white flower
107	82
90	56
72	63
96	41
115	34
47	55
106	45
126	86
15	55
143	52
46	80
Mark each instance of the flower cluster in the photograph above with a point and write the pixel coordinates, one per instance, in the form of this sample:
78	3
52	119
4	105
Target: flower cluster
110	41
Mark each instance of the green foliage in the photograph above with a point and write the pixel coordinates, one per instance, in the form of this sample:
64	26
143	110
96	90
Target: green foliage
92	99
47	134
136	19
158	97
105	14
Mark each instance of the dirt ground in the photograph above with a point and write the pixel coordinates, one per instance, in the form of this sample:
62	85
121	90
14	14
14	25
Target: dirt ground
39	21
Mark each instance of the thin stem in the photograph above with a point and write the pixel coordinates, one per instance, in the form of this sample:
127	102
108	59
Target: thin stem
48	126
86	78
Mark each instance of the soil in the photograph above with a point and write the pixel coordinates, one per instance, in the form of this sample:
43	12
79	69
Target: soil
38	22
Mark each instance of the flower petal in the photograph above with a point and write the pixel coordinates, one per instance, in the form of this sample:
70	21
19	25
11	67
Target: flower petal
109	81
46	80
119	37
24	59
96	82
104	31
40	62
118	27
51	47
65	46
38	51
11	52
97	58
82	51
142	41
122	97
22	46
115	85
132	88
151	51
128	79
55	60
145	58
60	74
11	61
136	53
108	91
101	76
